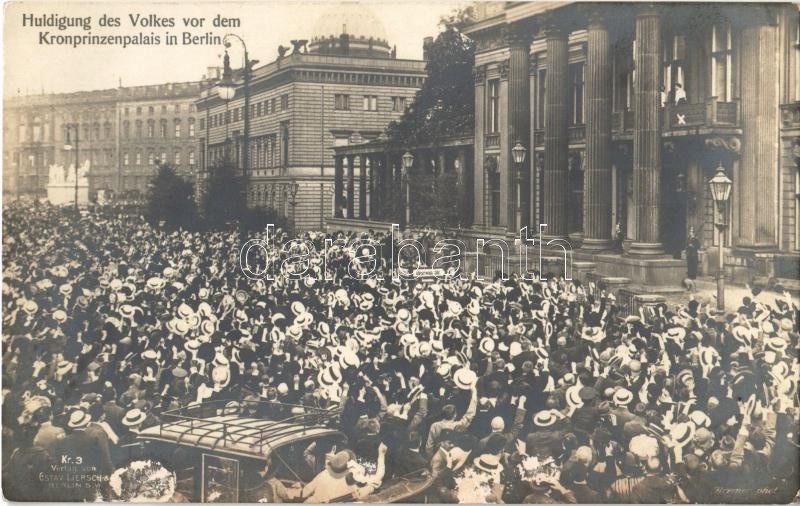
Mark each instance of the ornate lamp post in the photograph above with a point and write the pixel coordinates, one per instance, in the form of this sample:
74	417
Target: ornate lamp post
408	162
721	191
518	153
68	146
227	90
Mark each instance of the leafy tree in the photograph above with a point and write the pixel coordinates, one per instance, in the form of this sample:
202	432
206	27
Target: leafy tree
435	200
170	199
222	202
445	105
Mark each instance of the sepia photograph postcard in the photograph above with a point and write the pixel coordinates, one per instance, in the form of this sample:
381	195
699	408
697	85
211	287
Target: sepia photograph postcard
479	252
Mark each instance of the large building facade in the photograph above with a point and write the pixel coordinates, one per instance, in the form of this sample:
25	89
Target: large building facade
627	111
341	87
123	133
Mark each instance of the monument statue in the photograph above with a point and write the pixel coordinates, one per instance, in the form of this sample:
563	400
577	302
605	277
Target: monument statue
55	174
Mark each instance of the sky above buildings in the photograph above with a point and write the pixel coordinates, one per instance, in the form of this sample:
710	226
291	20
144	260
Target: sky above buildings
34	63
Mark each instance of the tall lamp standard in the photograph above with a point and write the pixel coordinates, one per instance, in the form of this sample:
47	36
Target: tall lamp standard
518	153
408	162
227	90
721	191
68	146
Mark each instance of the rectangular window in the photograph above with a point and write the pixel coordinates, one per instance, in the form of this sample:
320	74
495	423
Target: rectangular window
151	129
202	124
236	114
191	159
284	102
576	95
138	111
259	108
191	128
398	104
177	129
177	158
125	159
341	102
370	102
177	108
139	158
796	53
272	105
674	73
150	158
163	129
721	64
493	117
151	110
227	117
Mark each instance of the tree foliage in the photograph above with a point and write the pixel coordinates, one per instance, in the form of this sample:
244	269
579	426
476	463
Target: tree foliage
170	199
445	105
222	202
435	199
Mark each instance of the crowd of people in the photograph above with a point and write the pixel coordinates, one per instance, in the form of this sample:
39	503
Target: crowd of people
504	390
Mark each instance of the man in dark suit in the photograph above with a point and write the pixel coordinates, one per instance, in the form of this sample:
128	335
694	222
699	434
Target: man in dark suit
83	449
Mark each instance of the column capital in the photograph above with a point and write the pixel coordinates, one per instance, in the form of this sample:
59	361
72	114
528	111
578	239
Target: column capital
596	18
518	35
554	26
647	10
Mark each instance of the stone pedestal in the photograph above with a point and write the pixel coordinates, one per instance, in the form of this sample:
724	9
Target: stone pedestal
62	194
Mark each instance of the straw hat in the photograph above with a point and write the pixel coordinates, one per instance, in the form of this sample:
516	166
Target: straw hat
78	419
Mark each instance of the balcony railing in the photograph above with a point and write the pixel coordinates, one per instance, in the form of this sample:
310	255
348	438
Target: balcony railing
576	134
492	141
622	121
710	113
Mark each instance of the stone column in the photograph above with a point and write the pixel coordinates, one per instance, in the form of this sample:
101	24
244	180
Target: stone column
463	204
597	175
362	187
479	175
351	190
556	144
757	173
647	133
374	187
338	186
519	116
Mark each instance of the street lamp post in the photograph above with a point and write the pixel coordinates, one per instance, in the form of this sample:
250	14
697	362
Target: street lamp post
518	153
68	146
227	91
721	191
408	162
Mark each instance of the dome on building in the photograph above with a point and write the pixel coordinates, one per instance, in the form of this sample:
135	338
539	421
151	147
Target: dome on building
350	29
355	19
